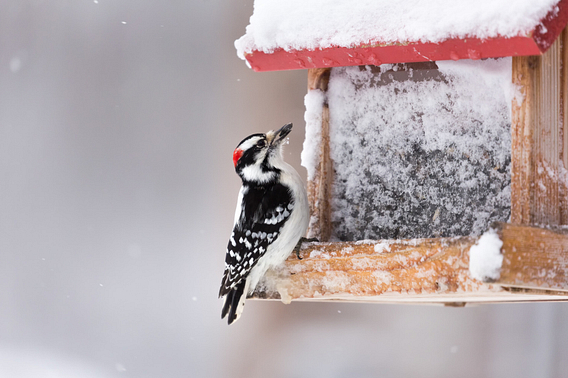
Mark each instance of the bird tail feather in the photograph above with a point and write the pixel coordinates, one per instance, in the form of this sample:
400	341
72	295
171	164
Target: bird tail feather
235	302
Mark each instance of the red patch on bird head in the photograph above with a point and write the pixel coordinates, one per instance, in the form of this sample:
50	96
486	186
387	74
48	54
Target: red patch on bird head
236	156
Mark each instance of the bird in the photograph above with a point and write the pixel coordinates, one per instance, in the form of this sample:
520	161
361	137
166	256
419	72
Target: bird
271	217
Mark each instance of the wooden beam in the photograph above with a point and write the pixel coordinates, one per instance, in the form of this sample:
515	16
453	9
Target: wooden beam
534	257
319	188
537	139
535	267
404	52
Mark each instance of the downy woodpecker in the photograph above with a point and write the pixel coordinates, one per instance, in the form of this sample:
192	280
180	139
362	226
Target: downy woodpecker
272	215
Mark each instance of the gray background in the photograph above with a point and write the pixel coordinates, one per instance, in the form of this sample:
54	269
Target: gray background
117	192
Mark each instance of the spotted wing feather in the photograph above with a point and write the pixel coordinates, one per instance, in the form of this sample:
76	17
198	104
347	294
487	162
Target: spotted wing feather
264	210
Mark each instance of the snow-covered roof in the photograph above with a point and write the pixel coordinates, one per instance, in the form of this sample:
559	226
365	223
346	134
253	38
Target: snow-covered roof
290	34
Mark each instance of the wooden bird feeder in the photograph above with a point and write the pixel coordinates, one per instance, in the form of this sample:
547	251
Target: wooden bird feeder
405	228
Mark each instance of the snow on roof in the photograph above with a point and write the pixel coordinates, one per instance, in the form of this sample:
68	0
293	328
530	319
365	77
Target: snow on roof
299	25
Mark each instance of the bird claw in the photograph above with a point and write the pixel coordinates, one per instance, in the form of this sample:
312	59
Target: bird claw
299	245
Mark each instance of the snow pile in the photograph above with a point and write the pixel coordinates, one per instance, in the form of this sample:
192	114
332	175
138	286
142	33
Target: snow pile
313	101
381	247
312	24
485	258
418	152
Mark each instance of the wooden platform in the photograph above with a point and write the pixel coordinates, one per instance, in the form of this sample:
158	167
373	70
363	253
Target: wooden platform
535	268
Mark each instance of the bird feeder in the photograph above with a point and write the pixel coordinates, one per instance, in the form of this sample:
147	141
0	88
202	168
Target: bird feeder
435	148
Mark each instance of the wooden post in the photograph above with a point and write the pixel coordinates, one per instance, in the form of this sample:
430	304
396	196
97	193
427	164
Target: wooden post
538	194
564	95
319	188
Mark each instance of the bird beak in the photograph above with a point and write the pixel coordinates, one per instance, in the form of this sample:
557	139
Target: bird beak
280	134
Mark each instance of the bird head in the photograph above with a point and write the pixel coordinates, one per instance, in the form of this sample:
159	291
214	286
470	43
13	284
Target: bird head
258	157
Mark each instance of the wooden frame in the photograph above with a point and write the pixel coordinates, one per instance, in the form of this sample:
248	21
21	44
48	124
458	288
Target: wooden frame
535	258
425	270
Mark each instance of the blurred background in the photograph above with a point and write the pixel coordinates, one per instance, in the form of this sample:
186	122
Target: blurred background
118	119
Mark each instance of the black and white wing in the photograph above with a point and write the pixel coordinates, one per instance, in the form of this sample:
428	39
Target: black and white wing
264	211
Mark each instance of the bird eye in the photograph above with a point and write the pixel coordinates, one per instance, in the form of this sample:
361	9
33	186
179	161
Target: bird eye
261	143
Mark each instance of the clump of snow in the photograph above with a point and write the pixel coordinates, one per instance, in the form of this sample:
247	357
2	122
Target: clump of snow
315	254
285	296
313	101
312	24
485	258
420	151
382	247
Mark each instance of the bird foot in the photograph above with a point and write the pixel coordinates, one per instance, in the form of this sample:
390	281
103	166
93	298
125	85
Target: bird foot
299	245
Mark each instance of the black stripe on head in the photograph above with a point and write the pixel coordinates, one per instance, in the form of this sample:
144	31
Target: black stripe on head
247	158
249	152
249	137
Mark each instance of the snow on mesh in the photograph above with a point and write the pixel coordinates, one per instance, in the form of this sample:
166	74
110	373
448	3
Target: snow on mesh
418	158
311	24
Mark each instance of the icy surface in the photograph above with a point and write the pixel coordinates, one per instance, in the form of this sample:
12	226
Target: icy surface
485	258
417	158
311	24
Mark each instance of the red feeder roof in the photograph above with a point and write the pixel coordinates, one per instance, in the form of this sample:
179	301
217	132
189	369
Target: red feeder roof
535	42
